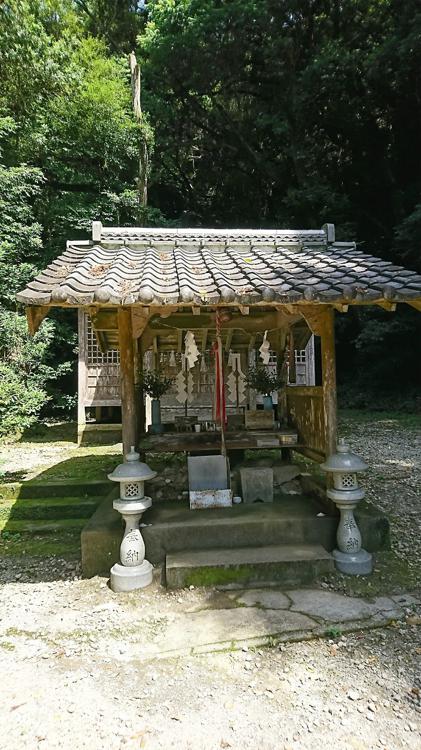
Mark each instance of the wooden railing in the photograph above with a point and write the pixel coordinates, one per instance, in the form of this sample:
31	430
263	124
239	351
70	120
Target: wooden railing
305	413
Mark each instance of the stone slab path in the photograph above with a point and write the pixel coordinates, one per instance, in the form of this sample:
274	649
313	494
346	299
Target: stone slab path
255	617
199	669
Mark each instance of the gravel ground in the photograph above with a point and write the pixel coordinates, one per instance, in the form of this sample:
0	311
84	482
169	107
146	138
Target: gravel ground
61	688
393	481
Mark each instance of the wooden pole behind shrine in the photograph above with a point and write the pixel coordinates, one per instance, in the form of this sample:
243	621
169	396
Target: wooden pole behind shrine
327	332
127	378
138	375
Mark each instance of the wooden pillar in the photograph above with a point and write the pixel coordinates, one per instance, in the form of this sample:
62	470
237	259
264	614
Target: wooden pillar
327	332
127	378
81	375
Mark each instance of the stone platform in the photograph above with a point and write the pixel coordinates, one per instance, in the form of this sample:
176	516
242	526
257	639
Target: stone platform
289	563
296	519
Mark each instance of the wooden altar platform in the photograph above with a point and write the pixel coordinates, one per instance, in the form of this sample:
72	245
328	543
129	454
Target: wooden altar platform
205	442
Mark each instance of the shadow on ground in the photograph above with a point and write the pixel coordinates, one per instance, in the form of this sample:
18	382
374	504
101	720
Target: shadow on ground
43	517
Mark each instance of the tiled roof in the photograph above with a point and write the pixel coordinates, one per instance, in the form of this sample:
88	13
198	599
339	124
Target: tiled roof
164	266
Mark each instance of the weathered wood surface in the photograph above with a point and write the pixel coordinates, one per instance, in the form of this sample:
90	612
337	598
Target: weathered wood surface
321	320
34	316
306	413
81	373
102	384
329	382
127	374
203	442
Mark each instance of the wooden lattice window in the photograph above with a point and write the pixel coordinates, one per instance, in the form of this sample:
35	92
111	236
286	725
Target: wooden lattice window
94	354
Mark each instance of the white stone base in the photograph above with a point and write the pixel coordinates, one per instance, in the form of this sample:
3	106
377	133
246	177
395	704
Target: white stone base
124	578
353	564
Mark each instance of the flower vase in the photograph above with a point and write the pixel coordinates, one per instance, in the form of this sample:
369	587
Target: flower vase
267	403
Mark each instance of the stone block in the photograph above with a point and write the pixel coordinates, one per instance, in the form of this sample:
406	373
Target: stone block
285	473
208	473
210	499
257	485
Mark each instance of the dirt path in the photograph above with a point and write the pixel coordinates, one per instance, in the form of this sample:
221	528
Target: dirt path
72	676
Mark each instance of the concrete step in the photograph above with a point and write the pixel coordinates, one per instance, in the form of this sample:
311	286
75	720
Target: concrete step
286	564
50	508
293	521
175	528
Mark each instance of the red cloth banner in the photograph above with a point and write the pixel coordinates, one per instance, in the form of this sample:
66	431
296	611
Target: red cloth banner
220	408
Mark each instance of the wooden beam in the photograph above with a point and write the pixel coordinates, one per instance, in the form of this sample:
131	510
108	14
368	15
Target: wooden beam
104	320
204	339
165	312
255	323
35	314
196	310
230	334
128	392
415	303
140	319
179	340
389	306
315	318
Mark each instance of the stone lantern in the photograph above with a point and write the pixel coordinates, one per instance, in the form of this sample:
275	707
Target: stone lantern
134	572
346	494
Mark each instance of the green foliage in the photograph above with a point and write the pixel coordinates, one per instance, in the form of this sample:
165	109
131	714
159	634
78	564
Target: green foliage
155	384
261	379
333	632
377	355
263	113
288	113
19	405
26	368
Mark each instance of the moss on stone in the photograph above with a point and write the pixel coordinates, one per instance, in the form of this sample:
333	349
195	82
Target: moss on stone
7	646
212	576
391	575
65	545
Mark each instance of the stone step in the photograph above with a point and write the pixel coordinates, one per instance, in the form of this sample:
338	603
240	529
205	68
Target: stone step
175	528
293	521
50	508
286	564
44	490
42	526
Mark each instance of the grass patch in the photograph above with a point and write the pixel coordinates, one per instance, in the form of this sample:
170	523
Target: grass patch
391	575
64	545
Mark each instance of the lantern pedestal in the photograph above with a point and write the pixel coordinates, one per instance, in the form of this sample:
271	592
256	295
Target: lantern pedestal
353	564
346	493
134	572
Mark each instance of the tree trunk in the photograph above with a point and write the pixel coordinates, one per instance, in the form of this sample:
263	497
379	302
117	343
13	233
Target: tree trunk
142	181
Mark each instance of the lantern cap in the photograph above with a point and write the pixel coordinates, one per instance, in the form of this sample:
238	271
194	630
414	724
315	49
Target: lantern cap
132	470
344	461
